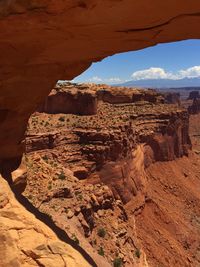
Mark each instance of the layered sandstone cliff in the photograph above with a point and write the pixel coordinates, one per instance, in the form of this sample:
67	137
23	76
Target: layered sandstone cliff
90	173
44	41
70	100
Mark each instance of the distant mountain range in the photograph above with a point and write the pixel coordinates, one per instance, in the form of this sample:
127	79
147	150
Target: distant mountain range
164	83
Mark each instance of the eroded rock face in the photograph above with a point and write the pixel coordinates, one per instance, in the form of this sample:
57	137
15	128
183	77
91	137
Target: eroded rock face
47	40
172	98
195	107
70	100
90	174
27	242
193	95
108	146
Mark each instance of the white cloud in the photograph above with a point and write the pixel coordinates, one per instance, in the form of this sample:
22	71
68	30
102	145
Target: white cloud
114	80
190	72
152	73
159	73
111	80
95	79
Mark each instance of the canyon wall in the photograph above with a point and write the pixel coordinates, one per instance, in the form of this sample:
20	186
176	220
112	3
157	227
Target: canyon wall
72	100
194	108
47	40
89	172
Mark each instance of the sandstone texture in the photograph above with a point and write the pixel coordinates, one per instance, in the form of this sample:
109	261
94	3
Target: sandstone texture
27	242
71	99
91	173
168	226
46	40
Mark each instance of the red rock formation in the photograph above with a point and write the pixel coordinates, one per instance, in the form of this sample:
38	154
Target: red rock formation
193	95
167	226
108	153
70	100
195	107
171	141
120	95
44	41
104	144
172	98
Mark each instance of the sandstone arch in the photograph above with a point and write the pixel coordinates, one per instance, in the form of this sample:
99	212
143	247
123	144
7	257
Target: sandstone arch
46	40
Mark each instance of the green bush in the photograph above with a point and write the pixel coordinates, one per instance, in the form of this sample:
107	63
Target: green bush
101	232
45	158
62	176
138	253
49	187
62	119
101	251
117	262
78	195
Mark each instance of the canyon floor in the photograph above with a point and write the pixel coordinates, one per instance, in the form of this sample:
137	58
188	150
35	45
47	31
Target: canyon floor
123	181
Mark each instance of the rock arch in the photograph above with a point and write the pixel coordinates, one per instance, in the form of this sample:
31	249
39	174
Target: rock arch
46	40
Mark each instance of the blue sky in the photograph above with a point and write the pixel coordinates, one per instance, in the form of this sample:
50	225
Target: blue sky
172	60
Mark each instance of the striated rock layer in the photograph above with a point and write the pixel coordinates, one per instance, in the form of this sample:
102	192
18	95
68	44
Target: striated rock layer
90	173
72	100
46	40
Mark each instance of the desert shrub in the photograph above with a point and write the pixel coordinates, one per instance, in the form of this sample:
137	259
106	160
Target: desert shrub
62	176
117	262
101	251
78	195
49	187
62	119
101	232
45	158
138	253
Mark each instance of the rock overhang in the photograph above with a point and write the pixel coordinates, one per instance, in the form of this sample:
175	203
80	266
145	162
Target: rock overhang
46	40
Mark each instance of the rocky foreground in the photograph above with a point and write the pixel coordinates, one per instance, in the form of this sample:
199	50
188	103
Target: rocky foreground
111	179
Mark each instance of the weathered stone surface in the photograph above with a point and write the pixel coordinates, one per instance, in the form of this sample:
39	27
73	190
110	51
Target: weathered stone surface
122	95
70	100
19	178
195	107
27	242
109	152
108	147
47	40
